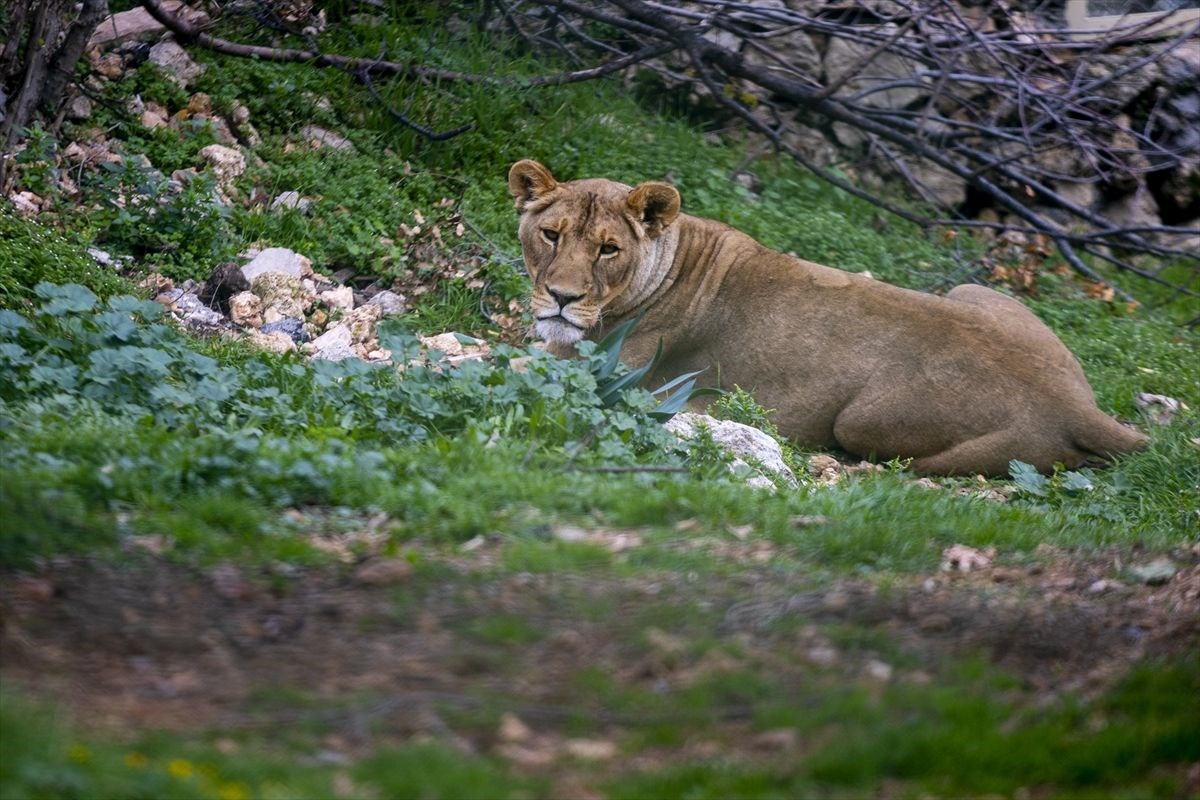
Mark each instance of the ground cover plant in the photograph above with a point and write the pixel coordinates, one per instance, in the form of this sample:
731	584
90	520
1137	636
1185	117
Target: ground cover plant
230	573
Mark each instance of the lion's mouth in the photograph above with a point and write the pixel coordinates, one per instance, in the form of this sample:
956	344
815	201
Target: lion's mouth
559	329
560	318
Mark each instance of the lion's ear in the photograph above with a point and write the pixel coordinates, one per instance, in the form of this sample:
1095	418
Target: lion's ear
655	204
527	181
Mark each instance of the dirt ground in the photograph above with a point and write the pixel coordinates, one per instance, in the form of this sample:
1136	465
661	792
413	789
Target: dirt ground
380	653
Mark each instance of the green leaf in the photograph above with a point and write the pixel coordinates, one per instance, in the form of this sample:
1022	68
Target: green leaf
1027	478
70	298
1077	482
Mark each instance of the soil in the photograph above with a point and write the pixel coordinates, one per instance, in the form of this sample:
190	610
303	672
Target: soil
388	655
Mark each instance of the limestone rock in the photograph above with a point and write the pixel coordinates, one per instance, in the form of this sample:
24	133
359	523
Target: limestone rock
389	303
190	309
797	56
137	24
334	345
342	297
361	323
742	441
845	58
283	293
291	200
320	137
226	162
174	60
79	108
245	309
293	328
277	342
278	259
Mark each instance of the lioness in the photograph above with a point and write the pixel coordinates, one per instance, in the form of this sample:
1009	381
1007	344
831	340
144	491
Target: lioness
960	384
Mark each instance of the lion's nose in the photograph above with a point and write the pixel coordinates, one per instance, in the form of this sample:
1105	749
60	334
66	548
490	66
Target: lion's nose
562	298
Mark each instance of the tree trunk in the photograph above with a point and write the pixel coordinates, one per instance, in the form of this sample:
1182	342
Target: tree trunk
45	40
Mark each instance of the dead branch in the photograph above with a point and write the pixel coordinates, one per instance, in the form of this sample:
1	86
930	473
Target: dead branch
1017	116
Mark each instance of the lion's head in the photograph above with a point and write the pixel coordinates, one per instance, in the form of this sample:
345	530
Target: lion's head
591	246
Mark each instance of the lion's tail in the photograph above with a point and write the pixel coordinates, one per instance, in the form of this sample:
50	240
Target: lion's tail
1101	435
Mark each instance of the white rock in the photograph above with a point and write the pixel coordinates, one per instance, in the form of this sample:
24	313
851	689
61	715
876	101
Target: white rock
175	61
102	258
291	200
136	23
283	293
742	441
190	309
79	108
342	297
245	309
334	344
278	259
325	138
227	162
276	341
389	302
26	204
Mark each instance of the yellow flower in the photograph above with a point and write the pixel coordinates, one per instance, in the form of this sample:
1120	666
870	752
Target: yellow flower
136	761
180	768
233	791
79	753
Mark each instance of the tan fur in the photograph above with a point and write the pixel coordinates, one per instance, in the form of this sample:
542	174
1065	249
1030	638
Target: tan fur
961	384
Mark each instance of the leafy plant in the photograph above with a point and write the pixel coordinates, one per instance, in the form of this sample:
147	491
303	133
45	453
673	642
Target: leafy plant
613	379
180	228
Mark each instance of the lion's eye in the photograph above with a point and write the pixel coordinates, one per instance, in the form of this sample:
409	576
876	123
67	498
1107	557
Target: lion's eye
608	249
550	234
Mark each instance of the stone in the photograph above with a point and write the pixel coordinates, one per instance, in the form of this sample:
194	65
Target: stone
389	303
944	187
153	119
276	342
340	298
778	739
513	729
383	571
111	66
361	323
1085	195
821	463
79	108
334	344
137	24
199	103
190	309
591	749
277	259
1159	409
102	258
26	204
283	293
174	60
245	309
745	443
844	58
293	328
796	56
1135	210
227	163
320	137
291	200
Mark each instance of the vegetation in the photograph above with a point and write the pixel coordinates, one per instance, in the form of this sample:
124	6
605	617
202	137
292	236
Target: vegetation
123	435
